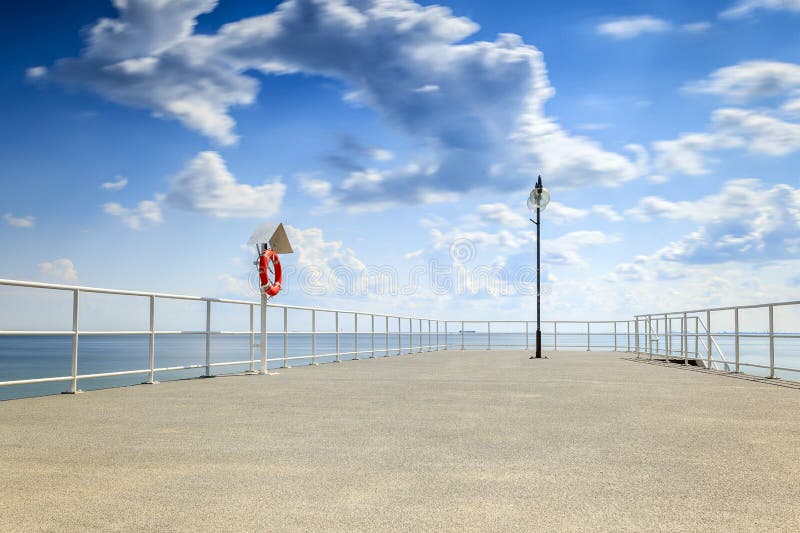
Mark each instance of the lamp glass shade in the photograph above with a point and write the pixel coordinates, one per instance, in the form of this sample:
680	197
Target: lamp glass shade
538	199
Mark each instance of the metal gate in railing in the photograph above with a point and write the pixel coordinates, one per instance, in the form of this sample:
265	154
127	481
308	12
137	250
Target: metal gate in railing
759	339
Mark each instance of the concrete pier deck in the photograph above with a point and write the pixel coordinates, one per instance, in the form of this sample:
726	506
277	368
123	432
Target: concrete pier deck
440	441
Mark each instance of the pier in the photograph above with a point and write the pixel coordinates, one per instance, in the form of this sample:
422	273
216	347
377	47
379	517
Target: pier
448	440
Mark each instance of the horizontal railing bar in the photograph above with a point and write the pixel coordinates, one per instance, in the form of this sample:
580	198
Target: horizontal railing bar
167	296
230	363
112	374
712	309
34	380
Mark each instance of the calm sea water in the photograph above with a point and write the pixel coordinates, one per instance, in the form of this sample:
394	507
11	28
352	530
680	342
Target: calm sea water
28	357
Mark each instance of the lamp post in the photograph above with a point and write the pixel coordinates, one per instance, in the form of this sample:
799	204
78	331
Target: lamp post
538	200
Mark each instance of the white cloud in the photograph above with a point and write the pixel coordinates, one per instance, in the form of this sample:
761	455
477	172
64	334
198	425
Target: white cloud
560	214
19	222
749	80
381	154
745	221
563	250
62	270
593	126
696	27
206	186
792	107
608	212
414	254
315	187
686	153
410	63
730	128
36	73
743	8
503	214
147	212
630	27
556	213
762	133
117	184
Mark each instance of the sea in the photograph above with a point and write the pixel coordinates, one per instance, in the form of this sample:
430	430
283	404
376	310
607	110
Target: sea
31	357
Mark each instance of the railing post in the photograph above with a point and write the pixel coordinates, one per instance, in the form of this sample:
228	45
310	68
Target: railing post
555	336
657	339
73	386
355	336
429	335
446	338
636	335
771	344
685	340
399	337
736	336
387	336
708	338
648	324
438	346
285	337
313	336
208	339
263	344
410	337
252	340
588	337
337	335
667	336
462	335
372	335
527	341
151	359
420	335
696	337
489	331
615	335
628	337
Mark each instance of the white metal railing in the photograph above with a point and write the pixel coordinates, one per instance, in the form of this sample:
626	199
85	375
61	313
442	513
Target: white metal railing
694	327
384	335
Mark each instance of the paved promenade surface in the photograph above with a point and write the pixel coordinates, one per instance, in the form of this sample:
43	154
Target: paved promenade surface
443	441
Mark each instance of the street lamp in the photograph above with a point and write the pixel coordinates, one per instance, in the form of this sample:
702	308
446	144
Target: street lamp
538	199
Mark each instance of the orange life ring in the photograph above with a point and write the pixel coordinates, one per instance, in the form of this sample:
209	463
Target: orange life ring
271	287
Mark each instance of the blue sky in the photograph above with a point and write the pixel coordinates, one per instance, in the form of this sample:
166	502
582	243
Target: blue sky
398	138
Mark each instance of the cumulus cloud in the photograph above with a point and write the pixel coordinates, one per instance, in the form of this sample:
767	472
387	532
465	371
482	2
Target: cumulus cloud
406	61
315	187
630	27
563	250
19	222
146	213
755	131
762	133
623	28
36	73
687	153
749	80
745	221
62	270
556	212
414	254
117	184
503	214
206	186
744	8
